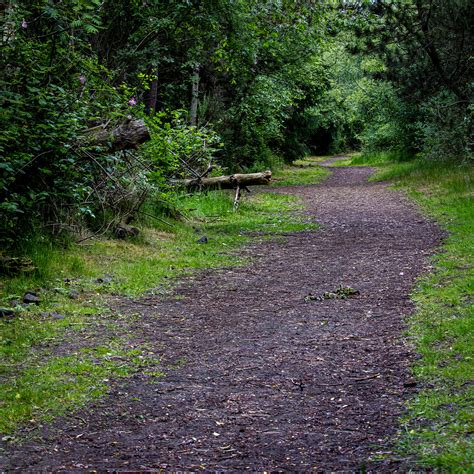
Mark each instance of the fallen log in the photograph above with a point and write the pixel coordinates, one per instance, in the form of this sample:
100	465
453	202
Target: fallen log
125	136
232	181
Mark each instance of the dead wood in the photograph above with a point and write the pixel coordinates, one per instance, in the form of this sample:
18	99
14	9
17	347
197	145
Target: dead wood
233	181
125	136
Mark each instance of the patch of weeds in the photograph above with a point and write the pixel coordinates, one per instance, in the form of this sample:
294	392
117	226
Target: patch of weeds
342	163
438	428
341	292
309	161
380	158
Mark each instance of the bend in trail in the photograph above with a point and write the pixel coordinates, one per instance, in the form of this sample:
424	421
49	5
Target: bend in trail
258	378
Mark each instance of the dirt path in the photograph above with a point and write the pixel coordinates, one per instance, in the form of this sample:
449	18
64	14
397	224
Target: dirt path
257	378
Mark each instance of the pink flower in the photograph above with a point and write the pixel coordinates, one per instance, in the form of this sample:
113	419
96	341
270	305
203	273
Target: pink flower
132	101
24	24
82	79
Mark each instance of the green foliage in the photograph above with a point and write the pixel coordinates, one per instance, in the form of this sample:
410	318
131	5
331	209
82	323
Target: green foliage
427	48
173	142
75	66
261	116
444	130
274	79
52	89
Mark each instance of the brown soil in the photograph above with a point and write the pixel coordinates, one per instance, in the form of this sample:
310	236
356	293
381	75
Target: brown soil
257	378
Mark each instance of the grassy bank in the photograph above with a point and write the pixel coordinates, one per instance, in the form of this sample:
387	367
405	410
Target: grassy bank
439	426
74	345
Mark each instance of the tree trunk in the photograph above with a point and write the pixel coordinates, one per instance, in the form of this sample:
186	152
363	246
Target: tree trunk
152	96
233	181
194	96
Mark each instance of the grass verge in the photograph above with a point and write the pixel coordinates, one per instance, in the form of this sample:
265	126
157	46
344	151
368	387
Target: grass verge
69	349
303	172
439	425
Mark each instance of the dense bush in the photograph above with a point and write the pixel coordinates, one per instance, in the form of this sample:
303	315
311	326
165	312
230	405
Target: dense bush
52	90
426	47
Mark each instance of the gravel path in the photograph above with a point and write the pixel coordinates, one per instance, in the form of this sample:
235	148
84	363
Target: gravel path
258	378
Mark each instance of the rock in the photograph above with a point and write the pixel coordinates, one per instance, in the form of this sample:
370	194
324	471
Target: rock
52	315
73	294
57	316
6	313
105	279
124	230
31	298
203	240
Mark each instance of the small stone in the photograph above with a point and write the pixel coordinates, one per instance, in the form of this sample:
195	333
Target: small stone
105	279
31	298
410	383
73	294
56	316
203	240
52	315
6	313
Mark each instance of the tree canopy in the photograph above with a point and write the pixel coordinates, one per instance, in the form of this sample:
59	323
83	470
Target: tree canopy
242	83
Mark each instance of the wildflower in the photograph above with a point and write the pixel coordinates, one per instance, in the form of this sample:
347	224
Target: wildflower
132	101
24	24
82	79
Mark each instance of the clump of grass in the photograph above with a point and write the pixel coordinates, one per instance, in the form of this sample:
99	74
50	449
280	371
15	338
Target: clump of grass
439	425
380	158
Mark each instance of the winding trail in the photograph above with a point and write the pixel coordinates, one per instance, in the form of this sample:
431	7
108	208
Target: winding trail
257	378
